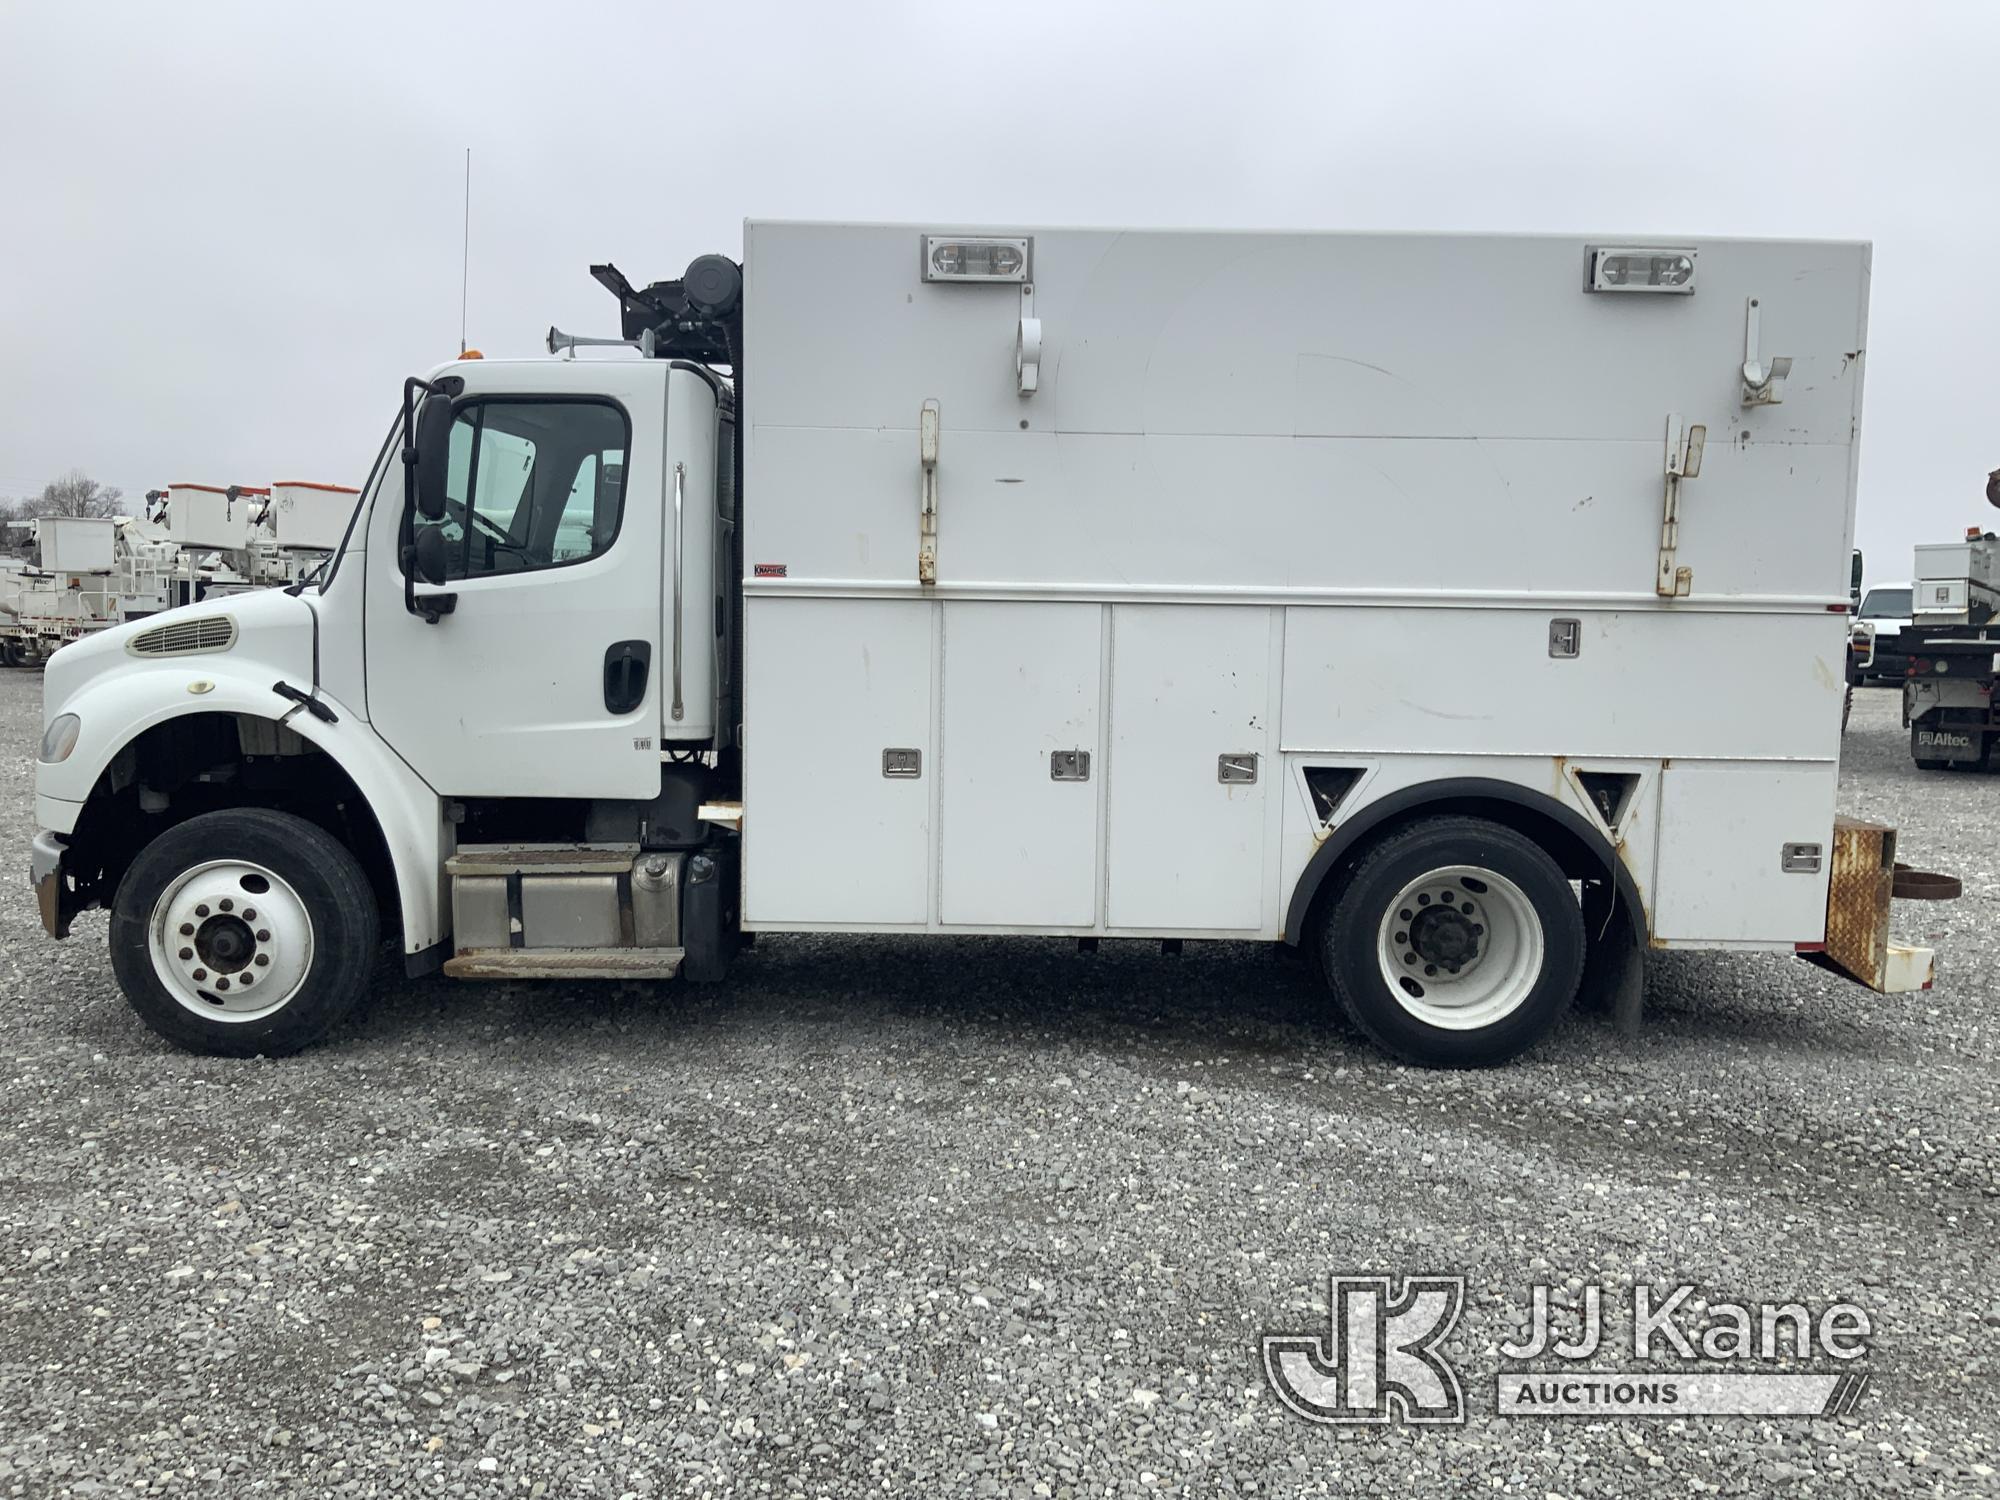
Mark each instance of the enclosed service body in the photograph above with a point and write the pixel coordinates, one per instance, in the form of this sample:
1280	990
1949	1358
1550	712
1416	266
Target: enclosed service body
1373	592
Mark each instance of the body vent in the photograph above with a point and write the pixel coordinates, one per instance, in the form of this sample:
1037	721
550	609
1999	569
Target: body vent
1329	786
1610	792
185	637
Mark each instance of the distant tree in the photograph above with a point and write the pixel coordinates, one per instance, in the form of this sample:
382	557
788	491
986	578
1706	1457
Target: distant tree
75	494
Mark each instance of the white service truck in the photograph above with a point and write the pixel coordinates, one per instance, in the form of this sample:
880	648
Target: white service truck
1951	651
88	573
1467	610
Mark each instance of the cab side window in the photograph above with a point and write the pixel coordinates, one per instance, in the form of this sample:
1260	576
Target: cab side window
532	484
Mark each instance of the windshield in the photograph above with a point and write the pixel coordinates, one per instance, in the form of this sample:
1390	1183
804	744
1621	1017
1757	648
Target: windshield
1886	604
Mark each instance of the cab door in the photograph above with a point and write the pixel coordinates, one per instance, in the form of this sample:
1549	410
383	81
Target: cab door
543	680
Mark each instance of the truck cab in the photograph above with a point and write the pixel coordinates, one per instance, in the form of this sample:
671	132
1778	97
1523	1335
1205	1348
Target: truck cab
1875	648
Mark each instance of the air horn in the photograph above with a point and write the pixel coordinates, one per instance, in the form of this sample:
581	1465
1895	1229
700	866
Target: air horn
563	343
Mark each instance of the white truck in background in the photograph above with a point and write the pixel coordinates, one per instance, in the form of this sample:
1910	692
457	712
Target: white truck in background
83	574
237	537
1378	594
1874	648
1952	652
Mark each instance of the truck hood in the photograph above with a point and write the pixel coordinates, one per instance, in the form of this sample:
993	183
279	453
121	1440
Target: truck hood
267	632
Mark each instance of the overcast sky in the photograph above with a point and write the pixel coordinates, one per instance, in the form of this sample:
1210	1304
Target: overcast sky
230	230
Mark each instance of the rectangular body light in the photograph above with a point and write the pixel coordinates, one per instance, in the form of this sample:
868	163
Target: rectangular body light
1638	268
964	257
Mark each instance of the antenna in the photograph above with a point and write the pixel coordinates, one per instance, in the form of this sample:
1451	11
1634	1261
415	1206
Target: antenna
465	251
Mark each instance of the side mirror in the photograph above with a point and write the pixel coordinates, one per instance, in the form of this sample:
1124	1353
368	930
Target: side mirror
428	554
432	445
1854	575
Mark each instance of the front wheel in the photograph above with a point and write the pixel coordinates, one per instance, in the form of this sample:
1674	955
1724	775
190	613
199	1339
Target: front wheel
243	932
1454	942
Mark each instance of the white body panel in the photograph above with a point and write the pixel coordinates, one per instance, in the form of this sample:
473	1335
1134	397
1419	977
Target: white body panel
1018	846
1722	826
832	700
1325	492
1193	683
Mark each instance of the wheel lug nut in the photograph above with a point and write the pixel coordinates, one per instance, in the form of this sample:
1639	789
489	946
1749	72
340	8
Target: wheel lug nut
187	929
186	954
247	976
200	974
263	934
226	904
1423	900
201	911
249	913
1477	930
1429	970
222	984
262	960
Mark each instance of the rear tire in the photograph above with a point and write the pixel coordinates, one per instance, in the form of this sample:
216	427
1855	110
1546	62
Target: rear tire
1454	942
244	932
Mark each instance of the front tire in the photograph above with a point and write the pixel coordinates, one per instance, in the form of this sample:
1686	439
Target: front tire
1454	942
244	932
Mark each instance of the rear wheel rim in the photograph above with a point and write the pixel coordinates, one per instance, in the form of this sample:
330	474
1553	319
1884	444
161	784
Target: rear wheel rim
1461	947
230	940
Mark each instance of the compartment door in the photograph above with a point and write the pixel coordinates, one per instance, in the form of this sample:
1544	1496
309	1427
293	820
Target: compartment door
1190	684
1723	829
835	834
1020	815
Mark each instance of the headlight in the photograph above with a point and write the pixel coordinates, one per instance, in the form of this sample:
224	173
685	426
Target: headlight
60	738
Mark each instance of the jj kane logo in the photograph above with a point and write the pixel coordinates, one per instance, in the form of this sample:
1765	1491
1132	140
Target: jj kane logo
1379	1361
1380	1358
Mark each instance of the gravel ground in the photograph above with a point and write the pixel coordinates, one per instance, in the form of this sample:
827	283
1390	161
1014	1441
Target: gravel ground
889	1216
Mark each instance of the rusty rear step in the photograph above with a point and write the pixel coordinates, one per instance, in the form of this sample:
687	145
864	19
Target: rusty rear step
1865	880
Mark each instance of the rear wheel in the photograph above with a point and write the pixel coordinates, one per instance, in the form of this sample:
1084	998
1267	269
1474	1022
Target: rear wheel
243	932
1454	942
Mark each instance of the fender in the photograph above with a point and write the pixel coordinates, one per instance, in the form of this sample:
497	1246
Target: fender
1440	796
117	707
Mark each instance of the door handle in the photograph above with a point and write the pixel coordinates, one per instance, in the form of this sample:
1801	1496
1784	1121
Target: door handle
625	668
680	480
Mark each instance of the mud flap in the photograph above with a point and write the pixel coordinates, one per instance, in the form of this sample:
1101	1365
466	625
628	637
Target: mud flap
1862	884
1614	960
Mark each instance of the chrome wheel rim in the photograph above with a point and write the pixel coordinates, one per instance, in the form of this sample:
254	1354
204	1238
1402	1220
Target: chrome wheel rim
1460	947
230	940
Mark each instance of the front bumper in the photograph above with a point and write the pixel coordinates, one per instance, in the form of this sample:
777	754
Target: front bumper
54	895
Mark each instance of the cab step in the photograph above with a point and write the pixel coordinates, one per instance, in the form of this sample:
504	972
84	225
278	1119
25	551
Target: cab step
566	963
